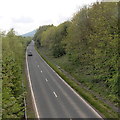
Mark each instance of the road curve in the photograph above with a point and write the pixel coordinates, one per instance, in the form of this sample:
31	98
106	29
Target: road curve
52	96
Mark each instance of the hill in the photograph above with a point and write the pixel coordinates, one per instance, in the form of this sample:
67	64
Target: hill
29	34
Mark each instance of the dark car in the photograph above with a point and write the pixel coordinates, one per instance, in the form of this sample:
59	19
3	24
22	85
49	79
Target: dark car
29	53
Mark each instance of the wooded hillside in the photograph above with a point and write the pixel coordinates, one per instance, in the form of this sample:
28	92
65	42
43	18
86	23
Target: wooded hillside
88	47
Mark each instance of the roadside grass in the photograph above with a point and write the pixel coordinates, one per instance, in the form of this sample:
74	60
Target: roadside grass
30	111
104	110
74	71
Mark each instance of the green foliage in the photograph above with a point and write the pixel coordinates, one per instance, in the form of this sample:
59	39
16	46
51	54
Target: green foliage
91	98
53	37
13	50
95	46
48	36
90	41
57	45
38	34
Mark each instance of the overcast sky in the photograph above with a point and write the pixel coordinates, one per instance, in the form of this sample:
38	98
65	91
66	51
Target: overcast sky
27	15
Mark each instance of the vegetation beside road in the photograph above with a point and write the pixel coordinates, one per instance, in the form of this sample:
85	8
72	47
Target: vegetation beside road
13	74
99	105
87	48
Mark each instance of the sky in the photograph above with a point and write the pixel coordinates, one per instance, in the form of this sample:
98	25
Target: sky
27	15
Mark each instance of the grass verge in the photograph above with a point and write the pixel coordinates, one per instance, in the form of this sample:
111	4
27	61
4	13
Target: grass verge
30	111
104	110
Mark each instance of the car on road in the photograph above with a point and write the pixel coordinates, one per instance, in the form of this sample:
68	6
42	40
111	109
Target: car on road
30	53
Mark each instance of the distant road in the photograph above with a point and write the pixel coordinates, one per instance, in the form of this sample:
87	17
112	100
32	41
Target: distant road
53	98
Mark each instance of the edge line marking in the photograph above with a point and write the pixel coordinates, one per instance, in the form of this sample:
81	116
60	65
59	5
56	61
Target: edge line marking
55	94
28	74
72	89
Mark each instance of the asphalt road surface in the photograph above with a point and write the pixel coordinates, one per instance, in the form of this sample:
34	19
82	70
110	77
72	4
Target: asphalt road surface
52	97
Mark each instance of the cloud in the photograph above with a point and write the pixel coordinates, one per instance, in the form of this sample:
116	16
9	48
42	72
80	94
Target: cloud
26	15
22	19
1	17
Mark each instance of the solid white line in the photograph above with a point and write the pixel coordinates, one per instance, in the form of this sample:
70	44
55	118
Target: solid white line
55	94
36	109
72	89
46	80
79	96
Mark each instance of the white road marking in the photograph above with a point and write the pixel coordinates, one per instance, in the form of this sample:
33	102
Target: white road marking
41	71
38	65
79	96
55	94
36	109
72	89
46	80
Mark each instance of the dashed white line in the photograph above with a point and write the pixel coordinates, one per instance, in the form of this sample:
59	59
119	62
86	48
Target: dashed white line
46	80
55	94
41	71
38	65
72	89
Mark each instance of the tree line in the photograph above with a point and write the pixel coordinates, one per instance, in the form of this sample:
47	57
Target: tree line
90	42
13	92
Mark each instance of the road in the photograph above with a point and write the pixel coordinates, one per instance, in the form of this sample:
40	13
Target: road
52	96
